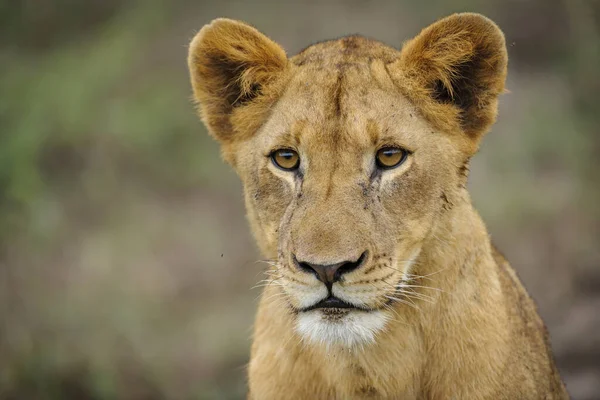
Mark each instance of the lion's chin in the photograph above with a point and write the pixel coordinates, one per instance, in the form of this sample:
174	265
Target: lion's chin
340	326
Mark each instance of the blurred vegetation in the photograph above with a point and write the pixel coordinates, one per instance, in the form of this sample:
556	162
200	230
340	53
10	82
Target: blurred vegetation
86	98
125	261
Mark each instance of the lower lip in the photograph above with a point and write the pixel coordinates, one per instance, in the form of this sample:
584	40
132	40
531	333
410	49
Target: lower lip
332	305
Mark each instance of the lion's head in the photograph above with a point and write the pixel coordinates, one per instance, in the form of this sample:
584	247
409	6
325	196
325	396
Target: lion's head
350	153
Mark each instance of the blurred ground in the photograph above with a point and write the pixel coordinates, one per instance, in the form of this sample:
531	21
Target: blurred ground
125	259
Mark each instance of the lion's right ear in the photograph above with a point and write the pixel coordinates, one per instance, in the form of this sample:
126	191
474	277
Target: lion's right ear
234	67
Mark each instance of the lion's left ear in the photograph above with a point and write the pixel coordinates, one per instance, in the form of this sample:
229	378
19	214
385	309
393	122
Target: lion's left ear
454	71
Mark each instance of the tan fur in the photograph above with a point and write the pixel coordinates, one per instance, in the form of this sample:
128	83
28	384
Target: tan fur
460	326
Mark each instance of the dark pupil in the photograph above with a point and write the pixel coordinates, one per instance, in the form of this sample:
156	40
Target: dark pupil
287	155
389	153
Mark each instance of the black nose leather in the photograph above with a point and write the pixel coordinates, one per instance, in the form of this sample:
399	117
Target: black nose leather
328	274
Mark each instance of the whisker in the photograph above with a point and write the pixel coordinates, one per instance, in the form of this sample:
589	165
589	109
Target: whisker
432	273
417	296
392	268
267	260
410	277
402	301
280	302
275	296
391	309
400	286
424	287
273	273
289	339
266	280
266	284
410	294
407	296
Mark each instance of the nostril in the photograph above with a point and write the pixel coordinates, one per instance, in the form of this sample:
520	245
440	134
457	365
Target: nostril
350	266
306	267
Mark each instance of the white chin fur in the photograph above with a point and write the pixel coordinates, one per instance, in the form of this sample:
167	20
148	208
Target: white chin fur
356	328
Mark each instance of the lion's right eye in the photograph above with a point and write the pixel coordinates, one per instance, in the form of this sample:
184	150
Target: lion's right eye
286	159
390	157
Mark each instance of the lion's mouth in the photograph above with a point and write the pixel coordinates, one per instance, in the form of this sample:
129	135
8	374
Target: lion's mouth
333	302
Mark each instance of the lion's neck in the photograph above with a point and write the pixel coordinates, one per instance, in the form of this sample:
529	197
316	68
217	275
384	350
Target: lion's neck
458	246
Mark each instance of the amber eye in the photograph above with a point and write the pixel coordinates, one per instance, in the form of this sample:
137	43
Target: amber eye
286	159
390	157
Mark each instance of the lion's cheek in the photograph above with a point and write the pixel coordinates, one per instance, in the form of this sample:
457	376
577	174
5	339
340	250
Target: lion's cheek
267	199
408	208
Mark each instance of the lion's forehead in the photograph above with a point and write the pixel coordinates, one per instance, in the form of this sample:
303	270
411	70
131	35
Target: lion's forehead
347	49
350	109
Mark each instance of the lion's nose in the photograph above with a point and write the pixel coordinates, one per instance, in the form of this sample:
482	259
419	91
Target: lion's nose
330	273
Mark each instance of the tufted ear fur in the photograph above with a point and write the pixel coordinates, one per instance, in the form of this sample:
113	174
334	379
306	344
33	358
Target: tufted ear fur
234	71
454	71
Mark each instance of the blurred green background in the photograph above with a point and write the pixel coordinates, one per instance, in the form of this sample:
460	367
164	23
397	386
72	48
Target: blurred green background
126	265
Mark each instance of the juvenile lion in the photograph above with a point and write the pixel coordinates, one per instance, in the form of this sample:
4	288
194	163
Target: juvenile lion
354	158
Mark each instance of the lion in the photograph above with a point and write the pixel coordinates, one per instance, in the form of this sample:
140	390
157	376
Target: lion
354	158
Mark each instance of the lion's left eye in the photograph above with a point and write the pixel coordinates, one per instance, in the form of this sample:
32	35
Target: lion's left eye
390	157
286	159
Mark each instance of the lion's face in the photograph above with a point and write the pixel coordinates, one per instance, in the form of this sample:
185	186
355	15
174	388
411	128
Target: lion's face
339	205
344	172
